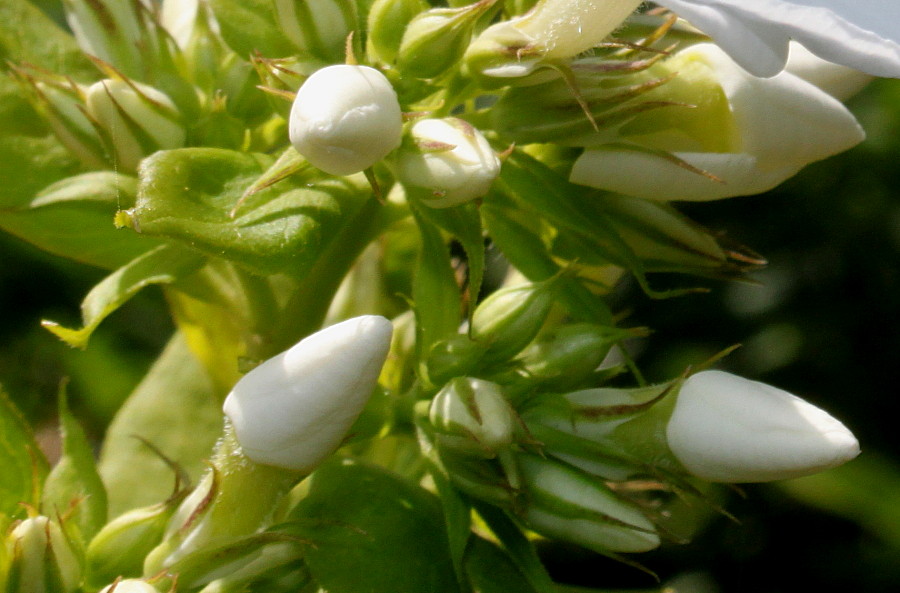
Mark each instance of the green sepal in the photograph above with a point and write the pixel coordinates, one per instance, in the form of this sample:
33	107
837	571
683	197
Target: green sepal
436	295
191	194
24	466
360	519
249	26
164	265
526	248
73	488
386	22
562	204
463	222
74	218
36	39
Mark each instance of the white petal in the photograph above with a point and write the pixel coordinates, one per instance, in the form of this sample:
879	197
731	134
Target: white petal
861	34
646	175
784	120
838	81
726	428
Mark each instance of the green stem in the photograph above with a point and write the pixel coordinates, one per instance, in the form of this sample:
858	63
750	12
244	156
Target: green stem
306	309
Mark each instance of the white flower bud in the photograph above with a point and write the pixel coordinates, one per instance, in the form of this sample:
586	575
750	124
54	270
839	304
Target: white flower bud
345	119
293	410
728	429
472	416
42	558
453	161
130	586
135	119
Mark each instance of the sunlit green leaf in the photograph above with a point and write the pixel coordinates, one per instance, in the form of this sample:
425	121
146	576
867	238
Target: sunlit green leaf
74	218
24	466
190	195
163	265
74	483
372	532
175	409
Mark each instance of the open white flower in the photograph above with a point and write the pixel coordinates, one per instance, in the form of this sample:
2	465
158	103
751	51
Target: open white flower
726	428
861	34
776	126
293	410
345	119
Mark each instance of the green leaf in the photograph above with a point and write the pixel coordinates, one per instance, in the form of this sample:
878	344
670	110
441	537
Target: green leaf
519	547
24	466
435	292
176	410
464	223
31	36
189	195
372	532
74	218
490	570
249	26
73	482
164	265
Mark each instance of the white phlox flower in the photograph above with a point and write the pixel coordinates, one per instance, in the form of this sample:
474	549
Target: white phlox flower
861	34
777	126
725	428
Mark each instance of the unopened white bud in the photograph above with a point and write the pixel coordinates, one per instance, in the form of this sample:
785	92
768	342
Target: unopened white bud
136	119
726	428
293	410
345	119
453	161
130	586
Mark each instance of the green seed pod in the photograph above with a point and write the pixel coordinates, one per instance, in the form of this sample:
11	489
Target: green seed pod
436	39
119	549
568	504
42	559
387	21
472	417
510	318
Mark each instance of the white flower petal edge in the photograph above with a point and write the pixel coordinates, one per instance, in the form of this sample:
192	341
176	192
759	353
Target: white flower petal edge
293	410
783	123
861	34
725	428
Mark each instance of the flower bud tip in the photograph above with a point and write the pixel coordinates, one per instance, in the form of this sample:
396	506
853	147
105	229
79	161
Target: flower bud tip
728	429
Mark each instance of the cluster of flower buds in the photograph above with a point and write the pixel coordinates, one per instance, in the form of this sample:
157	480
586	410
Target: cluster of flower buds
114	120
317	29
